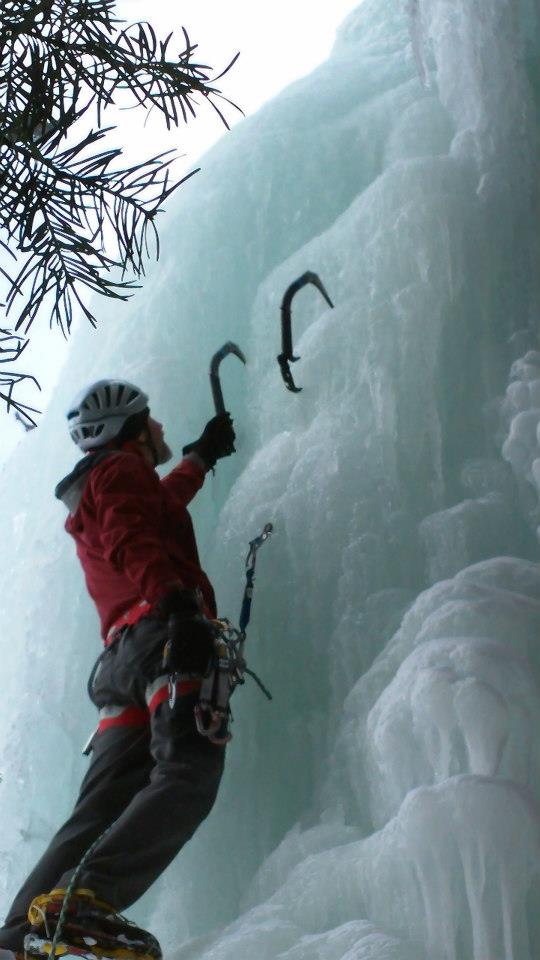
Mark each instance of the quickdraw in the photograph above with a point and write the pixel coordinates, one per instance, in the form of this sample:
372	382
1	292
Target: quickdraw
228	666
287	356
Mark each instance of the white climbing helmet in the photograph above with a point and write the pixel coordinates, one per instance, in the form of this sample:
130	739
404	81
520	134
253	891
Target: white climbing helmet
99	412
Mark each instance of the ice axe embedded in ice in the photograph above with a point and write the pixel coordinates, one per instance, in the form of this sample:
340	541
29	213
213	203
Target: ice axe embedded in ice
286	356
215	382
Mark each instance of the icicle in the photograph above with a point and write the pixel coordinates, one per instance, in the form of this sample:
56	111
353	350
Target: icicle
418	41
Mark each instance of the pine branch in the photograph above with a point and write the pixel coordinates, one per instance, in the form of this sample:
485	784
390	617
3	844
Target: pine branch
11	350
64	192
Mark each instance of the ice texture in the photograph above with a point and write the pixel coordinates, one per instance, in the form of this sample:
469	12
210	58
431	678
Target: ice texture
385	806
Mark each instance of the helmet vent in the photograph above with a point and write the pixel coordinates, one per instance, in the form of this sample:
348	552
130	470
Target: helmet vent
92	431
108	396
133	396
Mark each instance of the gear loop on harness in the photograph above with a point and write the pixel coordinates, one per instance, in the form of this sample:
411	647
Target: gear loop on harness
225	672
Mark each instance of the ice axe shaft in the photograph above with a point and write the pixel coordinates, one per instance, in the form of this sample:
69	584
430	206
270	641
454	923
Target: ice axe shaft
215	382
287	356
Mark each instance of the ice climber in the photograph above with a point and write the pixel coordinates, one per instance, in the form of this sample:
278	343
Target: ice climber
152	776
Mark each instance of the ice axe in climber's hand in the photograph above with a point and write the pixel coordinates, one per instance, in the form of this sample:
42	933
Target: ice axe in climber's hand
218	436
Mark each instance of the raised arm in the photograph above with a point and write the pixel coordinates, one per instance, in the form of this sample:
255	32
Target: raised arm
186	479
215	442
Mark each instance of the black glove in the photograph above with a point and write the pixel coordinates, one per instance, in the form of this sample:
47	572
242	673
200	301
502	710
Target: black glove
190	640
216	440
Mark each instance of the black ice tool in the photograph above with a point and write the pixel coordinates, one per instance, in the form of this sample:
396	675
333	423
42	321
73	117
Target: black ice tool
286	356
215	382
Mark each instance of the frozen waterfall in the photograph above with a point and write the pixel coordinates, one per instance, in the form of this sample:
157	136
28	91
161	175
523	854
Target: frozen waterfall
386	805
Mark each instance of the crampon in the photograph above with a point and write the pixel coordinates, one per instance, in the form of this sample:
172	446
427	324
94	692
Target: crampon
90	928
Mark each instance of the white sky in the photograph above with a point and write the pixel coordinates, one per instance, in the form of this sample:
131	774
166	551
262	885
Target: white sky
277	43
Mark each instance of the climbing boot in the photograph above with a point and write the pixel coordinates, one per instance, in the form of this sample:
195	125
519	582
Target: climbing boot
90	928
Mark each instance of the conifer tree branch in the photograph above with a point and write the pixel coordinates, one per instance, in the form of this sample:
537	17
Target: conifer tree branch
64	192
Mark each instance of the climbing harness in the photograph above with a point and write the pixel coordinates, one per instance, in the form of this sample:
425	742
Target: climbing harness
135	613
215	382
227	665
177	682
287	356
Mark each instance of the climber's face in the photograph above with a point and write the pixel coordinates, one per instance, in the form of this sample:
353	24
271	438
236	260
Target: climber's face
157	439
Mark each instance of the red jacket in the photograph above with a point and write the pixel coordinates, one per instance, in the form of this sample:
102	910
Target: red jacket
133	533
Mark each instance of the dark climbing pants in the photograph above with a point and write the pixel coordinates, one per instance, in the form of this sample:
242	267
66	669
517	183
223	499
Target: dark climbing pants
154	783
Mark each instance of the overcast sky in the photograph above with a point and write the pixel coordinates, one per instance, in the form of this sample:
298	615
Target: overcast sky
277	44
